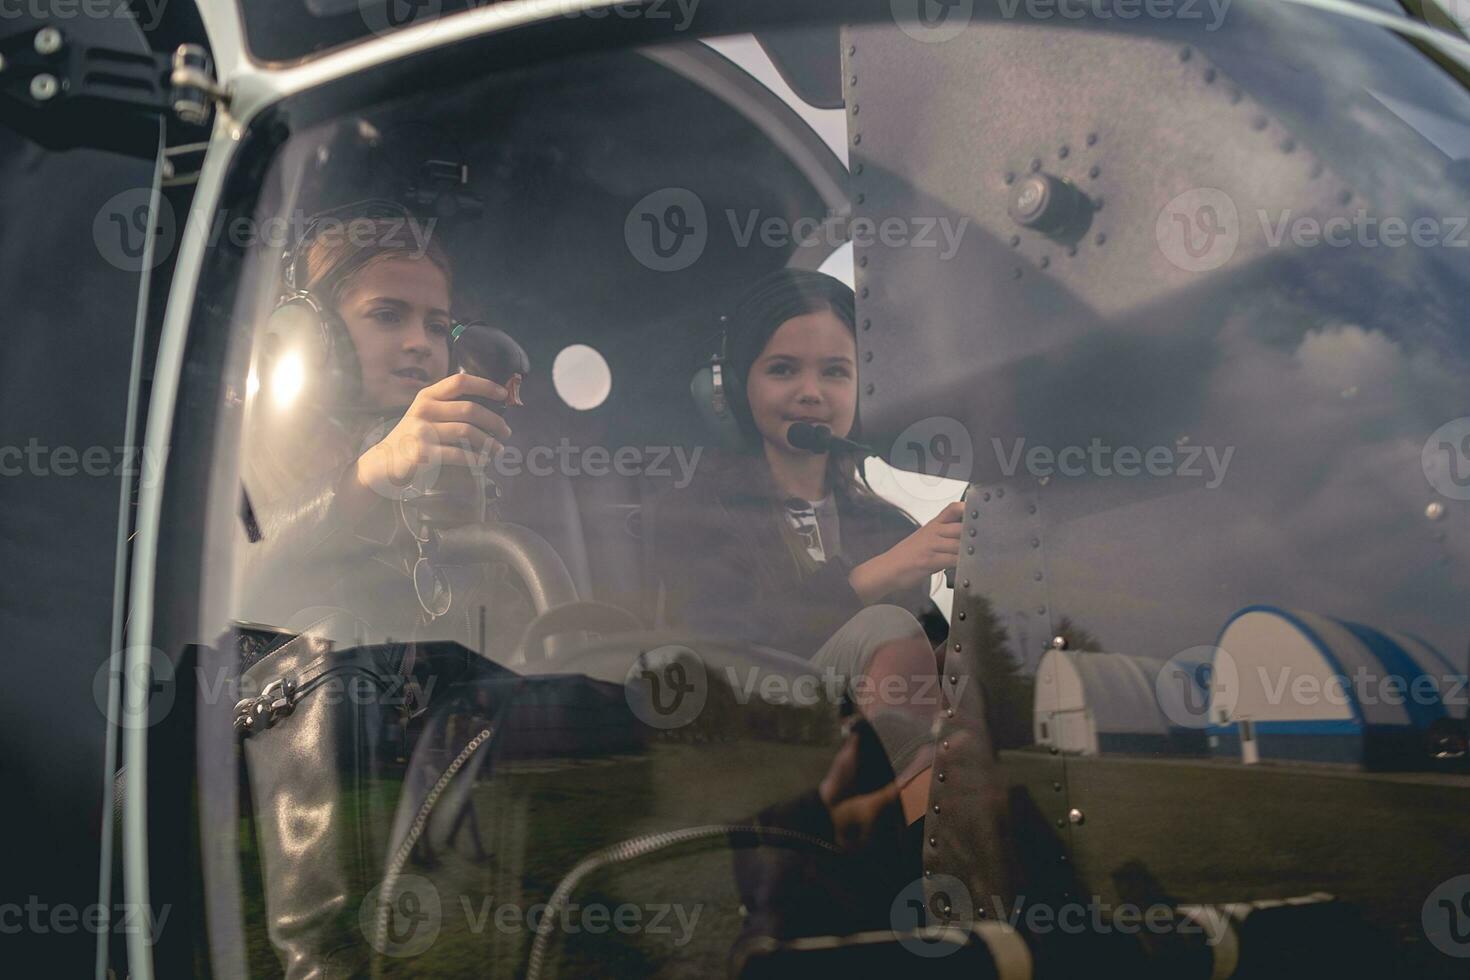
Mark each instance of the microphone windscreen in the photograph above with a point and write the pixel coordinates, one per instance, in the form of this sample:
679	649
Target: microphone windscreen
812	438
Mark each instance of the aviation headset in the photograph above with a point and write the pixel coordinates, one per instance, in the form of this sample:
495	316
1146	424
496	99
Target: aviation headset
303	319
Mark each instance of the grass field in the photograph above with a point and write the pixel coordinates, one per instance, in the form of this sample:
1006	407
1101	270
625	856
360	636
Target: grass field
1197	832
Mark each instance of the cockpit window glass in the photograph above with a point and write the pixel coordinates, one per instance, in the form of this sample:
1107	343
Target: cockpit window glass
659	521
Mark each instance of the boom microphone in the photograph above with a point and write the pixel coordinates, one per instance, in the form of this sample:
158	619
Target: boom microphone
819	439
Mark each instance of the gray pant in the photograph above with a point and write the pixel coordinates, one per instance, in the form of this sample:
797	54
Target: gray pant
905	727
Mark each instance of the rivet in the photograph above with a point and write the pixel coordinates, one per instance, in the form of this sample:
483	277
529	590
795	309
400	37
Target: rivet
934	842
855	108
1030	508
940	777
936	808
1063	152
949	712
1045	261
44	87
1091	139
1035	164
944	745
47	41
1071	249
974	513
985	495
862	261
1093	171
870	389
1345	197
1054	750
1057	787
1185	54
1010	177
865	292
1036	575
1209	76
1101	238
1259	123
1041	610
868	356
1036	542
957	646
1076	816
1097	203
852	80
1061	824
969	549
1288	145
1001	492
867	324
972	532
1016	272
1015	241
965	584
962	615
953	679
862	198
857	138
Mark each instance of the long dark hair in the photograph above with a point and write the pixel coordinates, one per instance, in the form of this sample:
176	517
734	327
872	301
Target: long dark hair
762	309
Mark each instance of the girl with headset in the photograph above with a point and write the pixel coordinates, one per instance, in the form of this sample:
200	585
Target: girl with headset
359	343
784	547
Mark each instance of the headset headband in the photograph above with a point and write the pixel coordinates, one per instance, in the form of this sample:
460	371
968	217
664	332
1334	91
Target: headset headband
371	209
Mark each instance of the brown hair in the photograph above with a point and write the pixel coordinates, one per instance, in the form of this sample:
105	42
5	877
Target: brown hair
342	248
